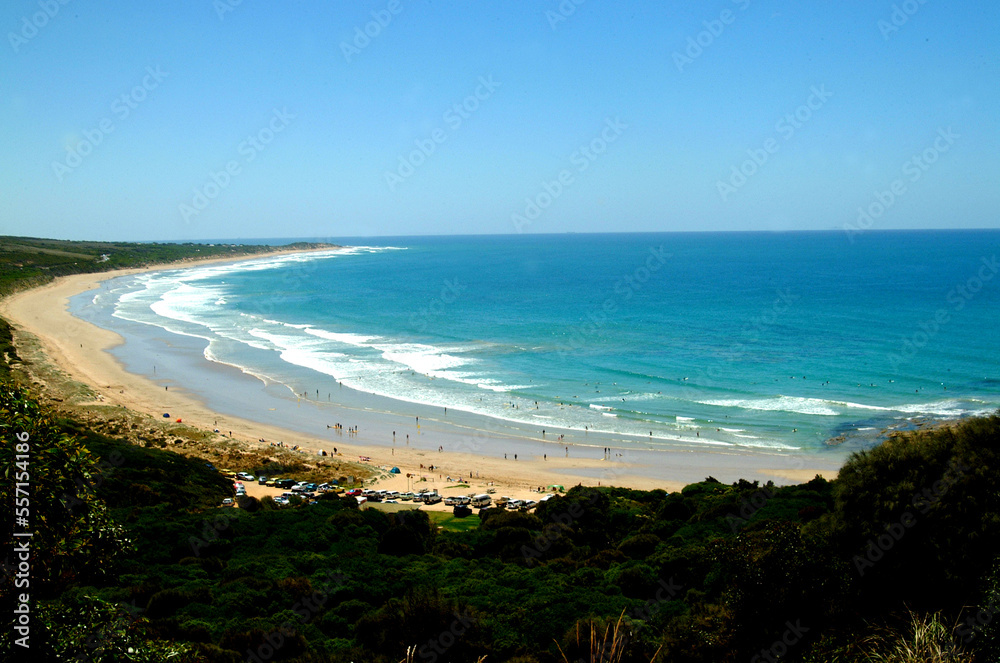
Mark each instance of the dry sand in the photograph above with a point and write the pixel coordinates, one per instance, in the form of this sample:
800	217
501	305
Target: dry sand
78	349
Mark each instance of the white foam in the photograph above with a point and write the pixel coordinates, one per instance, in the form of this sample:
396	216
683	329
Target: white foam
796	404
348	338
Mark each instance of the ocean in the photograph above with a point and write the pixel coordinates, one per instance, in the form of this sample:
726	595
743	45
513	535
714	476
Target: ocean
793	342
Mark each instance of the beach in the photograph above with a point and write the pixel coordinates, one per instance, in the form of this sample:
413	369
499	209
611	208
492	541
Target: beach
412	437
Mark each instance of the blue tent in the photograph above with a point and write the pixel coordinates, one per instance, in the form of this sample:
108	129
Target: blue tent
395	470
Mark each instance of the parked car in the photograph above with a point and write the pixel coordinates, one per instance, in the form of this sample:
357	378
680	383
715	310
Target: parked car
406	497
528	504
228	501
285	483
245	476
354	492
262	480
451	500
514	505
481	501
433	498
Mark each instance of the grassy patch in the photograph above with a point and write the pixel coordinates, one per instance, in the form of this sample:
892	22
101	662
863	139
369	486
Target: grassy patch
452	524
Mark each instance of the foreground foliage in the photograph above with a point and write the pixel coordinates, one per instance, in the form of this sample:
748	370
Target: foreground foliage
820	571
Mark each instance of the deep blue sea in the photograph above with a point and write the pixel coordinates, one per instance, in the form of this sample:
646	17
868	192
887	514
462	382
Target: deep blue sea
779	340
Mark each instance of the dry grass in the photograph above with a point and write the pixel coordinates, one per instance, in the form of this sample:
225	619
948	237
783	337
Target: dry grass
609	647
927	639
411	653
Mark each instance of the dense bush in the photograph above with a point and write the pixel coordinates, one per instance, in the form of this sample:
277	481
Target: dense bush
715	572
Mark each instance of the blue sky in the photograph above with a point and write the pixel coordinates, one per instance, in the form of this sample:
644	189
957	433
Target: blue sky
121	119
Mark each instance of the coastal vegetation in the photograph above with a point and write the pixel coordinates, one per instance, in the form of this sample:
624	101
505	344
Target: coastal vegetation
29	261
893	561
133	559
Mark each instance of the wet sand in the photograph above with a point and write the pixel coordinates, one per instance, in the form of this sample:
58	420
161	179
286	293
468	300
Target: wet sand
212	396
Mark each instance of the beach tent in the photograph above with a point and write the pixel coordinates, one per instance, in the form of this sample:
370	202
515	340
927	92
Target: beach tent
395	470
178	420
166	415
555	486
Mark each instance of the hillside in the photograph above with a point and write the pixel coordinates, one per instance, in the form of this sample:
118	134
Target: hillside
816	572
29	261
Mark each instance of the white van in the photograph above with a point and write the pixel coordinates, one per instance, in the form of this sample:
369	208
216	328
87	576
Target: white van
481	501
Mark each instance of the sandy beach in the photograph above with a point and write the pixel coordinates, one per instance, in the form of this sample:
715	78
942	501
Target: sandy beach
390	433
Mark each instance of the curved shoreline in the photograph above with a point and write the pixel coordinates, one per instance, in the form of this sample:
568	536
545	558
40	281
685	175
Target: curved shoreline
473	443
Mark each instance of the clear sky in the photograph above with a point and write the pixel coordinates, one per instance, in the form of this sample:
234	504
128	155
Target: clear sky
120	119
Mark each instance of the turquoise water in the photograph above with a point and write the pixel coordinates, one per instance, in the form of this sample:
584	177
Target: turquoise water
751	339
